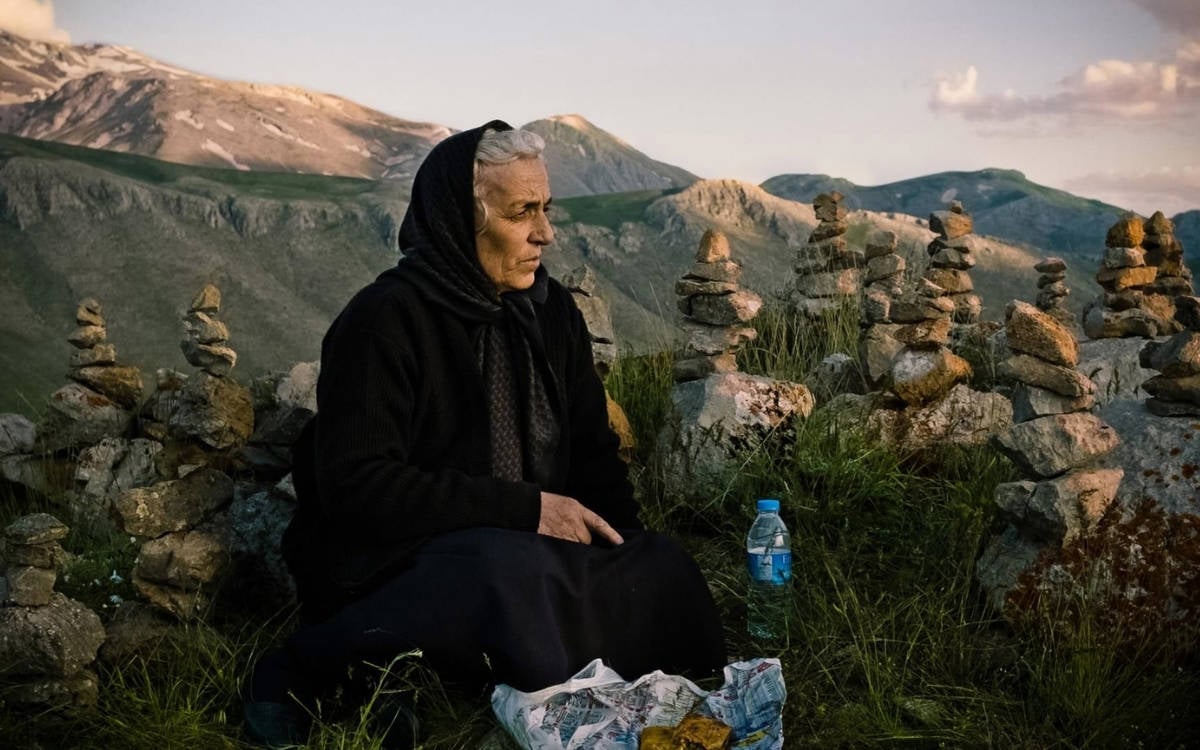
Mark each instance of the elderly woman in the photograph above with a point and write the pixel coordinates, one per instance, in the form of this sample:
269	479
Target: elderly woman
460	491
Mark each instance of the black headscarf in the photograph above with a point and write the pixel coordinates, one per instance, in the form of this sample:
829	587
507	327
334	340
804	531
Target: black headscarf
437	239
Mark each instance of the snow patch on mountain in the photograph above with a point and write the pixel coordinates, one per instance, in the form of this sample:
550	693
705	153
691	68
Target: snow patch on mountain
188	117
227	126
216	149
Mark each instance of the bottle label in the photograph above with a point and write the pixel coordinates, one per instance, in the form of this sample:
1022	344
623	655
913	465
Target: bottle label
771	567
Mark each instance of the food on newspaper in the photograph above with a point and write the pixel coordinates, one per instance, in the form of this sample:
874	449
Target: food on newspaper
695	732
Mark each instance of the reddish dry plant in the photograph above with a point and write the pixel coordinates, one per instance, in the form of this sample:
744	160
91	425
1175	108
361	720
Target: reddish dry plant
1133	580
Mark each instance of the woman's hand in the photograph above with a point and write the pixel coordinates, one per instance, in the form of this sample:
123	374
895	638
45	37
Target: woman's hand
566	518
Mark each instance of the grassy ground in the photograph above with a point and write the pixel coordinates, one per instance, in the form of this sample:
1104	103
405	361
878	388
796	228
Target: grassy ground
889	643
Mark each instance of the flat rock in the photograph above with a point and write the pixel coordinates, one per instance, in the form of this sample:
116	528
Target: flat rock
919	377
1124	257
1186	390
56	640
1049	446
1099	323
927	334
123	384
173	505
1051	265
184	560
880	243
100	354
1178	356
826	229
35	528
48	555
724	270
85	337
1064	381
205	328
726	309
212	358
1031	331
950	280
1048	279
950	224
1062	509
963	417
89	313
876	306
17	434
1030	402
1114	366
703	339
582	280
687	287
948	257
1126	278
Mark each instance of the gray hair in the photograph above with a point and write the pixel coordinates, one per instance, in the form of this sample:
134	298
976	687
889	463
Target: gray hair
498	147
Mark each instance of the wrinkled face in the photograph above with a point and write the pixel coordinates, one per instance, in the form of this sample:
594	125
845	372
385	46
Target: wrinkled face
517	196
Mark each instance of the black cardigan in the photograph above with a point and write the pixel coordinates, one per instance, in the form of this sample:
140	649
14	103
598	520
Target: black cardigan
400	450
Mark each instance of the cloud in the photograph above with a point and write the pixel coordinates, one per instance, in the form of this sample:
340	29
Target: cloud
1169	189
1104	90
31	18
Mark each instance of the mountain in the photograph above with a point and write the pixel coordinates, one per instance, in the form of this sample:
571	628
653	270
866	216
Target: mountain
1187	231
583	159
1002	201
110	97
143	235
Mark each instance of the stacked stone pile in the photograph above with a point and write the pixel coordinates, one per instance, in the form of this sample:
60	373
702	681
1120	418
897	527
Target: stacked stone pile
885	283
1056	441
47	641
716	311
924	369
208	407
99	401
1175	392
1053	290
1171	294
828	271
581	283
951	258
206	339
1128	306
185	539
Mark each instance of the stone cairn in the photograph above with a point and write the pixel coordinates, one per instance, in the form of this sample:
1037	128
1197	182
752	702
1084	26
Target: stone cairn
924	369
99	401
1175	392
47	641
951	260
581	283
1055	441
1053	290
716	311
205	344
885	283
1174	279
207	408
1129	306
828	272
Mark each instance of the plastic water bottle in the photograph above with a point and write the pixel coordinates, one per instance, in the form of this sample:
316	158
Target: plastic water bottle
769	560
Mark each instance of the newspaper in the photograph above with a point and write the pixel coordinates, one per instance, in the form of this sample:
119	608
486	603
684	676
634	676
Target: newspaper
597	709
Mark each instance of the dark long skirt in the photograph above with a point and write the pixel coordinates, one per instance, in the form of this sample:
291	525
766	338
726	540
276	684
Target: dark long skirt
535	608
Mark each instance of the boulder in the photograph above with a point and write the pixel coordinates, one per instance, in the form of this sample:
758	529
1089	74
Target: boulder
173	570
927	334
1051	265
35	528
1124	257
1063	509
714	247
100	354
1031	331
56	640
878	350
715	419
723	270
597	317
1052	445
1113	365
1003	562
173	505
212	410
76	416
256	564
919	377
1186	390
962	417
884	266
205	328
120	383
1127	232
29	586
1161	457
582	280
17	434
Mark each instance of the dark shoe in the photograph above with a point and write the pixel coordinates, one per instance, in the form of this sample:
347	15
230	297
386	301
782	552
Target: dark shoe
275	725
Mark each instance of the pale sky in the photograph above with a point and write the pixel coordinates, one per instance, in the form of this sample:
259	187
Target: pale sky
1099	97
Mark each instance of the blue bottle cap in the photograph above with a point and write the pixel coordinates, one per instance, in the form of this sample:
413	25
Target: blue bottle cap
768	506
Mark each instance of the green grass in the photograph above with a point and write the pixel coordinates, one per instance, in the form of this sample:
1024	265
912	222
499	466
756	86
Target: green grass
275	185
888	644
611	209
